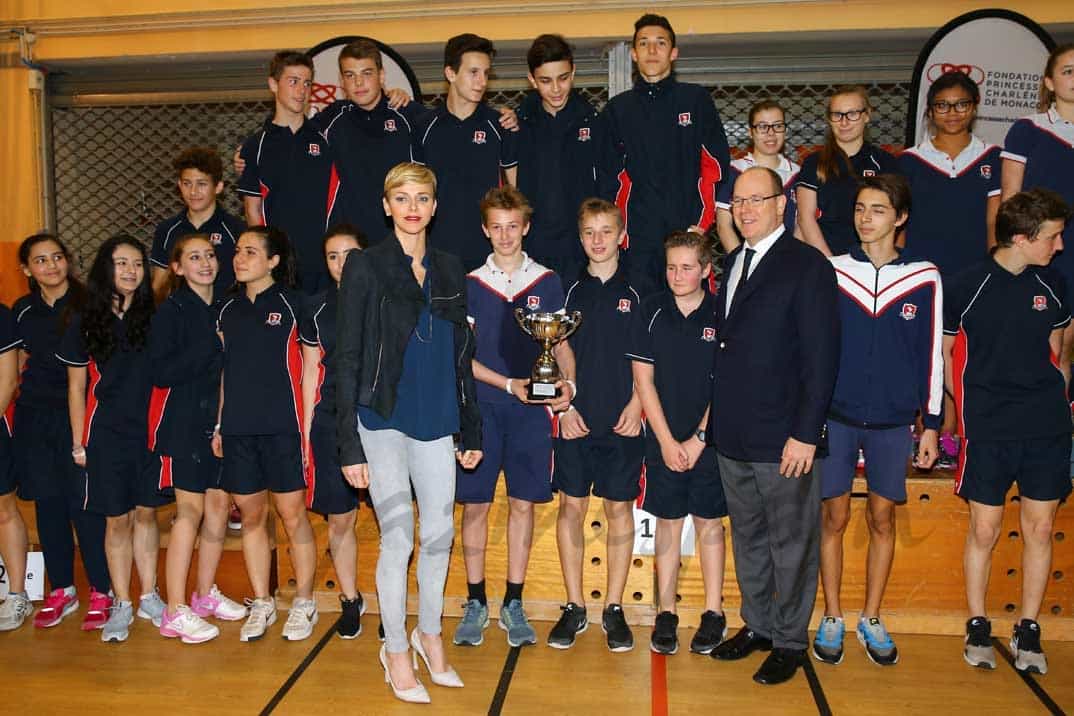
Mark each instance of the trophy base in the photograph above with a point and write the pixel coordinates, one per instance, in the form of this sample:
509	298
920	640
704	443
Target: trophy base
541	391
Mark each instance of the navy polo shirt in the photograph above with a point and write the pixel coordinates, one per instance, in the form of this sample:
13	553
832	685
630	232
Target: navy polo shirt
117	390
1044	143
43	381
788	172
1007	382
223	230
262	363
9	341
318	330
835	197
492	296
426	405
186	361
681	350
296	178
557	158
466	155
603	373
944	189
366	145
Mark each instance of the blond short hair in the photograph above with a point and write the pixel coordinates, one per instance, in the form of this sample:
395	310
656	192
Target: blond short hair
409	173
596	207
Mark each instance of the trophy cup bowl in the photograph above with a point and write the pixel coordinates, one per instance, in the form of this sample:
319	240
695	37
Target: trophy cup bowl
548	329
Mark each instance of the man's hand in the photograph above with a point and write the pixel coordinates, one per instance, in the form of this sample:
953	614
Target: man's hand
238	161
469	459
797	458
508	119
927	450
572	425
217	445
693	447
397	98
357	476
674	456
629	424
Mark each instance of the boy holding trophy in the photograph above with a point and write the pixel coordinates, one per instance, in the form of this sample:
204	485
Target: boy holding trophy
517	430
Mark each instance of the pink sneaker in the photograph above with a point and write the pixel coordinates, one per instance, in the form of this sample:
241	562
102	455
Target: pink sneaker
216	604
58	604
187	626
97	615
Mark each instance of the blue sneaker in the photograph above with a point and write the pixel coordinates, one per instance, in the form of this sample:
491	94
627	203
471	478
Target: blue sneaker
513	620
878	645
475	619
828	643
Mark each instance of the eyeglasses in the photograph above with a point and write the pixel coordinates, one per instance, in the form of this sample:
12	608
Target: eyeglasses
765	127
961	106
740	201
851	116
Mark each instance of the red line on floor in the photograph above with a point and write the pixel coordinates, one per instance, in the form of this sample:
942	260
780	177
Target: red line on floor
658	670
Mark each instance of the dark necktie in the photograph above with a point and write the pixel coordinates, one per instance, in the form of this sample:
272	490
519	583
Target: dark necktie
746	261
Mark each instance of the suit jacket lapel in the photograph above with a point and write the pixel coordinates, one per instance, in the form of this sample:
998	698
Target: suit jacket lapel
760	274
721	297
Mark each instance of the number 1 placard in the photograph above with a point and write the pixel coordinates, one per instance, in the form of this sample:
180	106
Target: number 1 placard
645	534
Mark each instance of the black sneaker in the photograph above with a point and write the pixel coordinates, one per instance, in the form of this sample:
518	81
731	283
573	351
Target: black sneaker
614	625
665	637
1025	644
349	625
571	623
978	650
710	633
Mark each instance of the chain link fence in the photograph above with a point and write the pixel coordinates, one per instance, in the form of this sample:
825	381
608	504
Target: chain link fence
112	164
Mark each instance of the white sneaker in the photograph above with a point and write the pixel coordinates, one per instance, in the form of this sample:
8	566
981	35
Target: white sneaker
215	604
187	625
262	616
13	611
300	620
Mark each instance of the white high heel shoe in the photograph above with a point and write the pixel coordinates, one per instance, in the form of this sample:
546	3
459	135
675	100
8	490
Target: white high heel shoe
414	695
448	678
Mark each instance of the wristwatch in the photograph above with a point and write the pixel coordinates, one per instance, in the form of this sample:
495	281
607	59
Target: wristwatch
701	435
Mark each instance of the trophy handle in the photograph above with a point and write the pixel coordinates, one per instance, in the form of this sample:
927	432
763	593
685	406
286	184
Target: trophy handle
520	319
575	323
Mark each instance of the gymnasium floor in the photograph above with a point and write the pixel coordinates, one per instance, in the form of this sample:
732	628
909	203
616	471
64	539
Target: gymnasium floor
63	671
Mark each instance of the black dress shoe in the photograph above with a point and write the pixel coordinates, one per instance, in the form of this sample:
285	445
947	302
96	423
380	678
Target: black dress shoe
741	645
779	666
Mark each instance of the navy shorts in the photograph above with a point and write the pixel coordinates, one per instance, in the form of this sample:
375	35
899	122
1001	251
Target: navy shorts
253	463
196	472
516	438
328	493
887	458
609	466
988	468
120	474
7	461
42	449
672	495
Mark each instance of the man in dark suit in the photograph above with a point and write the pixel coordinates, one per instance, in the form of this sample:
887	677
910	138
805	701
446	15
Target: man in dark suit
777	353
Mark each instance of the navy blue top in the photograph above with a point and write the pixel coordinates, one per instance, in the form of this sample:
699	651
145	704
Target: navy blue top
466	155
117	390
296	178
9	341
186	358
835	196
223	230
603	373
680	349
366	145
43	382
1006	378
262	363
319	331
426	406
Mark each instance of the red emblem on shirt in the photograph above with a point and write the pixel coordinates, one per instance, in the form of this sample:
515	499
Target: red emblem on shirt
315	149
1040	303
868	173
684	119
624	305
479	136
583	134
533	302
986	171
215	238
909	312
708	334
389	125
273	319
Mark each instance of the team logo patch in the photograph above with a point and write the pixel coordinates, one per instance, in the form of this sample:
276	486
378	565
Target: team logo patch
708	334
986	171
273	319
389	125
215	238
868	173
909	312
1040	303
684	119
624	305
533	302
583	134
479	136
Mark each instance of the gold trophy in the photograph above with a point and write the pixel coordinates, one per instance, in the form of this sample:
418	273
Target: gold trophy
548	329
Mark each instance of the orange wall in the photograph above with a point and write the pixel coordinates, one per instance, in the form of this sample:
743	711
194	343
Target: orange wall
20	204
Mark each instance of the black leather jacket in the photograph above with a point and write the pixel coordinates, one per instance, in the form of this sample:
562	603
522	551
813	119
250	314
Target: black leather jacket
379	305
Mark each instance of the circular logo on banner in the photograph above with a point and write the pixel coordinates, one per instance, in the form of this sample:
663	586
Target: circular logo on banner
326	83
